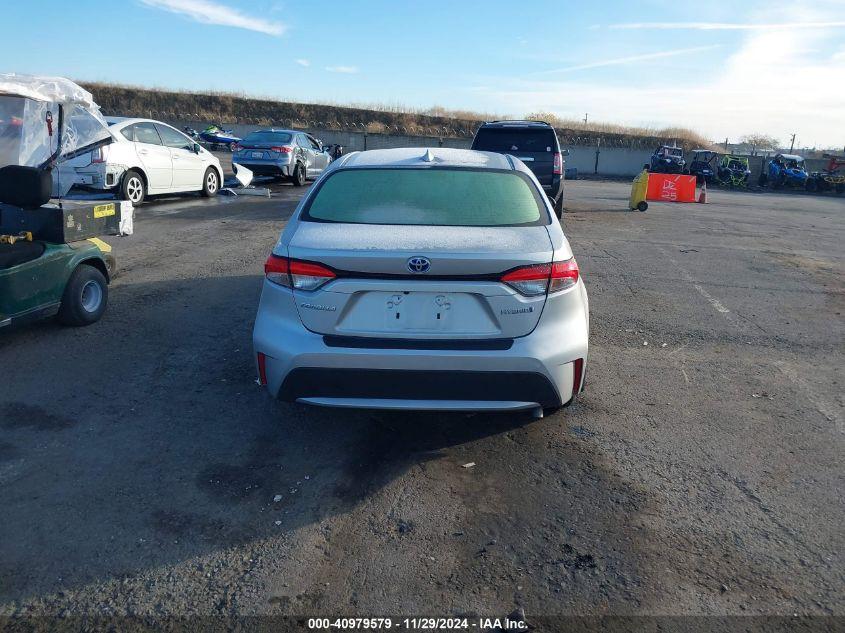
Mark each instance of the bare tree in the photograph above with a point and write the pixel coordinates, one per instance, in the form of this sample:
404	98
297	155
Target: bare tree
759	141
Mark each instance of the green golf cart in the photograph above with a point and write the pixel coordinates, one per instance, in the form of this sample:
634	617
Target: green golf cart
52	260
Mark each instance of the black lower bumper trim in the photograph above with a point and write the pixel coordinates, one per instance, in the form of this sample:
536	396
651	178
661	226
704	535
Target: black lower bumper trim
320	382
363	342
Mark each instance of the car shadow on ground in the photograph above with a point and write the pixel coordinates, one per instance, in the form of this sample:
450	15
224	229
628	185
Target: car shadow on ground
145	442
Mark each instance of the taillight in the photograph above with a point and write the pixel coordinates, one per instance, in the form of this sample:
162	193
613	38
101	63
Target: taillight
293	273
98	155
564	275
542	278
282	149
236	147
558	165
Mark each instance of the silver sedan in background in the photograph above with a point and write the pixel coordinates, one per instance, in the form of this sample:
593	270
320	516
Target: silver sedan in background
434	279
286	154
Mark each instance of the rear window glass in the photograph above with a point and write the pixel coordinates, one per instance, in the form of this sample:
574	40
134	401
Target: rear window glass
427	197
507	140
267	137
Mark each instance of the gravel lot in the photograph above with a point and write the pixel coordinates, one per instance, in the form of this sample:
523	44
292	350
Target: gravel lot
700	473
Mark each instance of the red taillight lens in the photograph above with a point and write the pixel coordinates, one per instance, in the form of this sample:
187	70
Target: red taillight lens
542	278
98	155
236	147
277	270
564	275
558	165
293	273
282	149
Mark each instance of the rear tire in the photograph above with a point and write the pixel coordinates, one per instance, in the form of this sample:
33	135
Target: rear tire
210	183
133	187
85	297
298	175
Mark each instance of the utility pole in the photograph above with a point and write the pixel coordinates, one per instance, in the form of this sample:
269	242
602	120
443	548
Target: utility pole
586	114
792	144
726	145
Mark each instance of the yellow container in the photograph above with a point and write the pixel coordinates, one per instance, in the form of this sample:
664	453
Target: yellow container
638	192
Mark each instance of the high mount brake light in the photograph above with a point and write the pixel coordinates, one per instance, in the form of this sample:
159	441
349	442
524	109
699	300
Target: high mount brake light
292	273
539	279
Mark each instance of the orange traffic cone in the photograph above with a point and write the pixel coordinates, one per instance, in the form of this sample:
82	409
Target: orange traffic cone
702	197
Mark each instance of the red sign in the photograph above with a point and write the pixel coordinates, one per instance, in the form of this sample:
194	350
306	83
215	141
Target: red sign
671	188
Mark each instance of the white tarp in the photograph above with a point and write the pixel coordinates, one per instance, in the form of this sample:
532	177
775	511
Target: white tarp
26	104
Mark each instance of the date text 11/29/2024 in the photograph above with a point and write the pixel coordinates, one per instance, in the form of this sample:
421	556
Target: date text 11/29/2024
417	624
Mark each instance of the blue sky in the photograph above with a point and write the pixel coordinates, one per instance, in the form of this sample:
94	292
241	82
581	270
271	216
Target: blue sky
725	68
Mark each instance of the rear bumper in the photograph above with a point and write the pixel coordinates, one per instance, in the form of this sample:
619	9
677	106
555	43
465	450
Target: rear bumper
555	189
535	370
265	167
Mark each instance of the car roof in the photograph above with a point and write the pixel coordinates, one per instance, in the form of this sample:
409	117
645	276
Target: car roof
124	121
428	157
791	157
516	123
278	130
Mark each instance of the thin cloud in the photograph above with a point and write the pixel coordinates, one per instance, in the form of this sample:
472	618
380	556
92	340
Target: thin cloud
620	61
208	12
346	70
303	62
726	26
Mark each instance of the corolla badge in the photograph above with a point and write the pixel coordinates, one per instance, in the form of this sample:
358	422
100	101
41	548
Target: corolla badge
419	264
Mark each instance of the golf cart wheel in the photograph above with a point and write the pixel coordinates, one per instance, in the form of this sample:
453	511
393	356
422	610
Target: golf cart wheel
559	206
642	205
762	181
85	298
133	187
811	185
840	188
210	183
299	175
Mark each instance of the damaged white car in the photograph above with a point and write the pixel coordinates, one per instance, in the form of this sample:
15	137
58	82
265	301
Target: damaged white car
146	158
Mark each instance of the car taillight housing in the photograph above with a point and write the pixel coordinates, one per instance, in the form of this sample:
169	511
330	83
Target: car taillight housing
282	149
558	164
539	279
98	155
293	273
236	147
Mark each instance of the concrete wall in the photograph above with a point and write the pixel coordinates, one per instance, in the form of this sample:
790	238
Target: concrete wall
612	161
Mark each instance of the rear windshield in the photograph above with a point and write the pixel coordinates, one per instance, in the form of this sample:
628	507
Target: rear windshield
508	140
427	197
267	137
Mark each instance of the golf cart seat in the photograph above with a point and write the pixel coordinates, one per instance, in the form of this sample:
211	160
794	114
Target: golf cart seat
20	252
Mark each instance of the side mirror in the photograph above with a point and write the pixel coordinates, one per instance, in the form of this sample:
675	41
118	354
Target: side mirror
196	148
564	152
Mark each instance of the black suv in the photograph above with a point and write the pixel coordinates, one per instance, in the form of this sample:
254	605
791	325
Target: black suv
535	144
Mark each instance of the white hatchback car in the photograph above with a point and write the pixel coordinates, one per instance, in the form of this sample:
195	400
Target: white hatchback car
147	158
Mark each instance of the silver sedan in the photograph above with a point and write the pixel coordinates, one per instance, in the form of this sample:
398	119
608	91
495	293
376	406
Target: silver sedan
432	279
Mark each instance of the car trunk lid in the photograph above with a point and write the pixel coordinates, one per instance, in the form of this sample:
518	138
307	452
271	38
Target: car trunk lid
458	294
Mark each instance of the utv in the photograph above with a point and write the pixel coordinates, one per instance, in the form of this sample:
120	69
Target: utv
733	171
667	160
702	165
830	179
784	170
51	261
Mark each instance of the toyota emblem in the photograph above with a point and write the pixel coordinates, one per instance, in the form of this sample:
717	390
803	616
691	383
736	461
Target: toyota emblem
419	264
